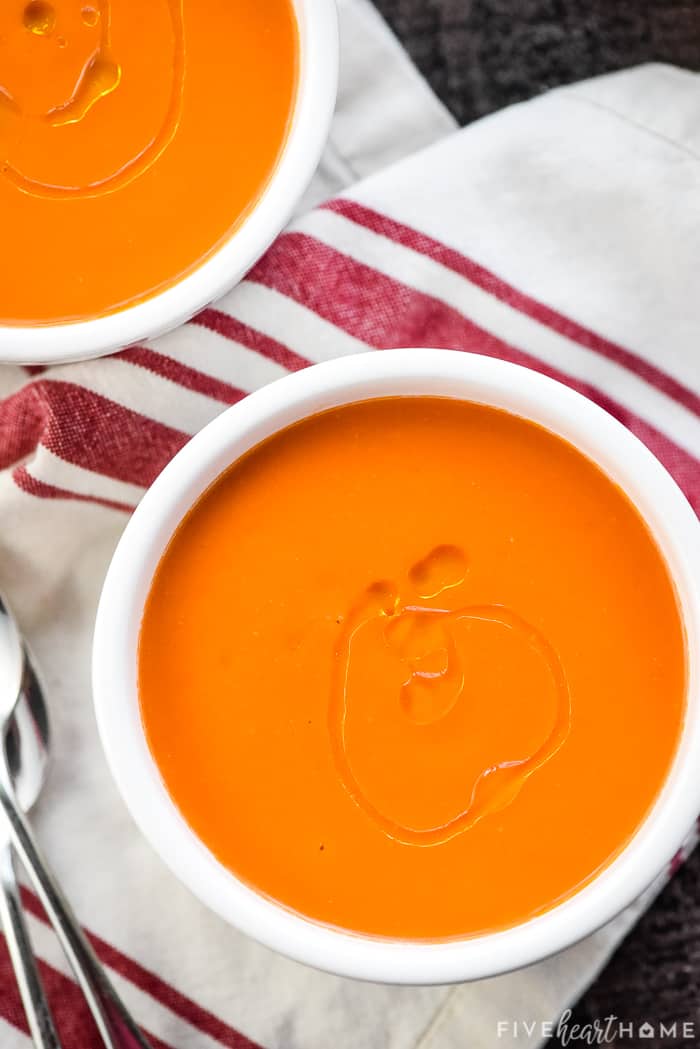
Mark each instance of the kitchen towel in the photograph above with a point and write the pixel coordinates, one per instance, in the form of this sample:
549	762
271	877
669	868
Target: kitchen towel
562	234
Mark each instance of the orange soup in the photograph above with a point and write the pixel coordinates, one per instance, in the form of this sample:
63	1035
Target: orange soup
134	136
413	667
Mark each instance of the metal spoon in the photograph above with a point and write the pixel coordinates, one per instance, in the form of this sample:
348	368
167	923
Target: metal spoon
116	1027
27	747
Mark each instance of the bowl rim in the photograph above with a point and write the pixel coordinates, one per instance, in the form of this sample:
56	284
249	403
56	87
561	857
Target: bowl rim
361	376
61	343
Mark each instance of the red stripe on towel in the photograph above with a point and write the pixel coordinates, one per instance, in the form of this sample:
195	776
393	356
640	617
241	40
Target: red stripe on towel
386	313
182	374
88	430
23	417
231	328
151	984
32	486
75	1026
500	289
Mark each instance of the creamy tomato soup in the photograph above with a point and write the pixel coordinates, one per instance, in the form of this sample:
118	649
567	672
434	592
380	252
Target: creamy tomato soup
134	137
413	667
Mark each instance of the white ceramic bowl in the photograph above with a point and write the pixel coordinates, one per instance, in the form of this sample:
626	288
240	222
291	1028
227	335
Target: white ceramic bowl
316	92
399	372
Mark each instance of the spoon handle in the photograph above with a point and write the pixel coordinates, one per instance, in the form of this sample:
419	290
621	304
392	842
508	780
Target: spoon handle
19	945
117	1029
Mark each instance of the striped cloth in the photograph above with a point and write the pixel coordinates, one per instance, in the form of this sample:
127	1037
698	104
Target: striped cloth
562	234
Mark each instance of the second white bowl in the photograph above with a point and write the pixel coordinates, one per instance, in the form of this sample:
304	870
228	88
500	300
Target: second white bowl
392	373
313	109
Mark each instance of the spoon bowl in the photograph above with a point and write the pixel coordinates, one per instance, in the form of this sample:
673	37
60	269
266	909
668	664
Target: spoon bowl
28	740
11	663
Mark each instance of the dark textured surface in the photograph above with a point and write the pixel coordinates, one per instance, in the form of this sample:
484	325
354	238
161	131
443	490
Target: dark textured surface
655	975
480	55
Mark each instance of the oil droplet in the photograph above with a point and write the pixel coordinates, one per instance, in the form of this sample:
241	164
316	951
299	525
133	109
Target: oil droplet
100	78
443	568
415	634
90	16
432	676
382	598
39	17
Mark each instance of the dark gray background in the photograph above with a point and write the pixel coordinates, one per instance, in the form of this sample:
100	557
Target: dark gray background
480	55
